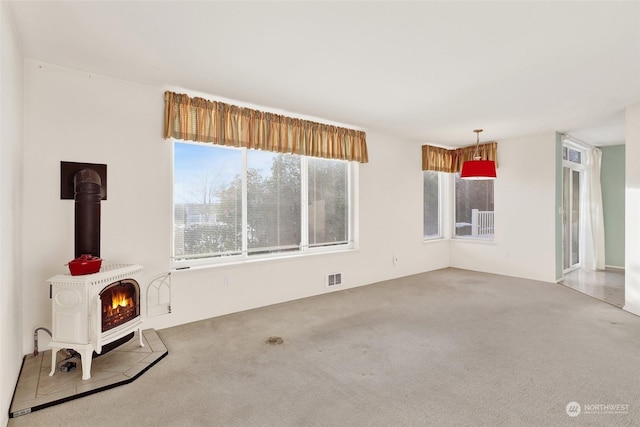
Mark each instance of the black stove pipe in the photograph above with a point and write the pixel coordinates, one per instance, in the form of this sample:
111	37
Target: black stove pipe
88	194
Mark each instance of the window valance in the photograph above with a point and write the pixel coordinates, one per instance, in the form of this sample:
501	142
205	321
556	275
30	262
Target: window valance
444	160
198	119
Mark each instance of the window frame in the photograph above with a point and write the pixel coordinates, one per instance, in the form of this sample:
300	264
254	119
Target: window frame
579	166
245	256
454	203
440	234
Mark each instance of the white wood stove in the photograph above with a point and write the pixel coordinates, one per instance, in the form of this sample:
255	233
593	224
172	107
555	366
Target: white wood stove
93	310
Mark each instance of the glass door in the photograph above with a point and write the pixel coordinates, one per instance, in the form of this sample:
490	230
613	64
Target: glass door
572	177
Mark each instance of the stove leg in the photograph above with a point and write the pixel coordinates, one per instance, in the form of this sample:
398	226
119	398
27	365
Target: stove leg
86	358
54	352
86	353
140	336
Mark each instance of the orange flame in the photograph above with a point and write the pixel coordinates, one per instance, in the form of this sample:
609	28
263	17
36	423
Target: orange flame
120	299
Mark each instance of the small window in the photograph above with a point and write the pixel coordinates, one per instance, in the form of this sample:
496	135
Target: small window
571	155
431	205
474	208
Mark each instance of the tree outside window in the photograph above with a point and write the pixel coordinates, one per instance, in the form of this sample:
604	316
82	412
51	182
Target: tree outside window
218	189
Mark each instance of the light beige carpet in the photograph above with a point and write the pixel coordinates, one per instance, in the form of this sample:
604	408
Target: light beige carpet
448	347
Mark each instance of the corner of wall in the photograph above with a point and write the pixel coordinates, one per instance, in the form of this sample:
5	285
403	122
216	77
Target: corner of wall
558	207
632	210
11	161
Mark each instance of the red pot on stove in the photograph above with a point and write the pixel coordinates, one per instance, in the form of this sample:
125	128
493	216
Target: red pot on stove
85	264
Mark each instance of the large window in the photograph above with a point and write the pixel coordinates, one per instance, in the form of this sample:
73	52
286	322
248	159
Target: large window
474	208
231	203
431	209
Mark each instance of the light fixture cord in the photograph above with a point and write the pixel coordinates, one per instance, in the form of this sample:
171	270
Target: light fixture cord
476	153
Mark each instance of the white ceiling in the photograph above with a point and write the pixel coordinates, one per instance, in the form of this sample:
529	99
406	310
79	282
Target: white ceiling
424	71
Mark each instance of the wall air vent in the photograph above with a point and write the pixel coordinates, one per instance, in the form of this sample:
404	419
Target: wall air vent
334	279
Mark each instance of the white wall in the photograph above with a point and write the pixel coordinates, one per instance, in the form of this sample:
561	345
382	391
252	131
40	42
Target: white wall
613	206
524	192
75	116
632	211
11	283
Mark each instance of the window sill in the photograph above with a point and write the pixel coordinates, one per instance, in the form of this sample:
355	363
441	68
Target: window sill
434	240
238	261
471	240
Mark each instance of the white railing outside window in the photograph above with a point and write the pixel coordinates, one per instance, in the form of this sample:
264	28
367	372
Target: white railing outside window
482	224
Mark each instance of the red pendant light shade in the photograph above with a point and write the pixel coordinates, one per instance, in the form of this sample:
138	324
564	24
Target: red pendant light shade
476	168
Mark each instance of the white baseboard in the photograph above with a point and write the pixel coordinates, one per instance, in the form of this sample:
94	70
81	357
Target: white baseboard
615	267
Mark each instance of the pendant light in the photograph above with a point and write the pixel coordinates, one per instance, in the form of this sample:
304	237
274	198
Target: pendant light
476	168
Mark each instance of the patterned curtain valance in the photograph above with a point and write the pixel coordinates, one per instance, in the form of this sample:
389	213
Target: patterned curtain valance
198	119
444	160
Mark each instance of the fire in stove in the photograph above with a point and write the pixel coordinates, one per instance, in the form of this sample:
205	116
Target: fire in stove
121	299
120	303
